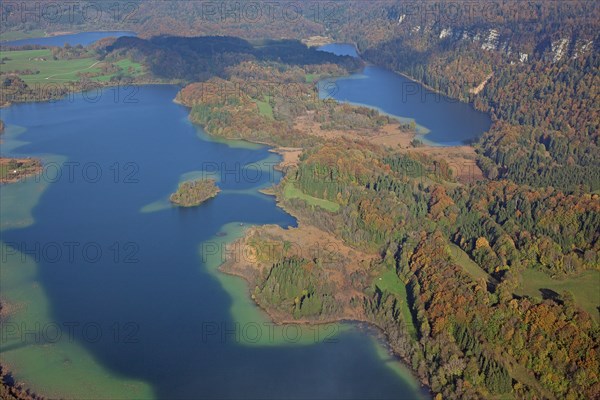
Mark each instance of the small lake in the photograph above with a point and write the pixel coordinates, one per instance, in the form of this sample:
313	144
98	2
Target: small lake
440	120
84	39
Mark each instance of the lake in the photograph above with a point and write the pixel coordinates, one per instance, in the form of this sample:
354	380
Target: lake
114	293
84	39
441	121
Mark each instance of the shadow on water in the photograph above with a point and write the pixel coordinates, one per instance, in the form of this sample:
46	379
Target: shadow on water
143	303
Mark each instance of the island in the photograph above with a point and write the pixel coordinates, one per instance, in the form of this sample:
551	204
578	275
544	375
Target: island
193	193
15	169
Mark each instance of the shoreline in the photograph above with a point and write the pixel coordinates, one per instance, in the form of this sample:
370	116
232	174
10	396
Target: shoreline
61	33
380	334
100	85
11	389
368	63
14	390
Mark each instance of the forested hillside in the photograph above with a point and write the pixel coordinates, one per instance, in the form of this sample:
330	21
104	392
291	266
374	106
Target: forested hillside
533	67
198	59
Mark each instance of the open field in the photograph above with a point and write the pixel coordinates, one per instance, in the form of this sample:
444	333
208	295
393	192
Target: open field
390	282
461	258
291	192
264	108
47	70
129	67
585	288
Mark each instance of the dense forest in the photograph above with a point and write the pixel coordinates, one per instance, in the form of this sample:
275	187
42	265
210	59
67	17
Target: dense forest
194	193
465	322
538	71
260	101
200	58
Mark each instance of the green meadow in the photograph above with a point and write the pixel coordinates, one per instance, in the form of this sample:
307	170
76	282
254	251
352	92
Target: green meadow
469	266
47	70
292	192
583	287
389	281
264	108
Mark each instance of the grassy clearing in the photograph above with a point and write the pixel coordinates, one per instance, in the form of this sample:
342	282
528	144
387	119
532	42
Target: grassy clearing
461	258
264	108
49	70
291	192
585	288
58	71
390	282
127	67
310	78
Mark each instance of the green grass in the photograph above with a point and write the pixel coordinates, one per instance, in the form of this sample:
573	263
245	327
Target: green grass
4	171
390	282
50	70
291	192
127	66
585	288
469	266
310	78
57	71
264	108
18	35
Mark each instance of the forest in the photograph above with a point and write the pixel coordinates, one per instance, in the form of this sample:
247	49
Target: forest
194	193
200	58
543	97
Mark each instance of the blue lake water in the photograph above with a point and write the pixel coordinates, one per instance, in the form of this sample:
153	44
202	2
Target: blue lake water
84	39
94	251
443	121
340	49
